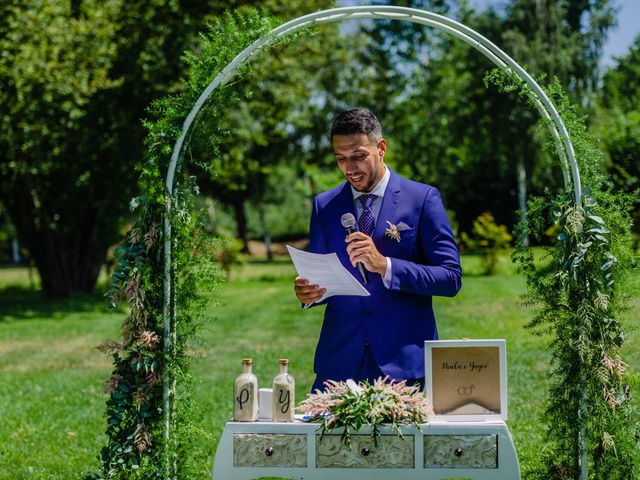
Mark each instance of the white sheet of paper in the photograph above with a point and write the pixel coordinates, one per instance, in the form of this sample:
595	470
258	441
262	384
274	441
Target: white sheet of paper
327	271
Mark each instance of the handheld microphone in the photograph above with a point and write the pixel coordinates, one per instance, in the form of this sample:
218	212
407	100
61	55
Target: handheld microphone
348	221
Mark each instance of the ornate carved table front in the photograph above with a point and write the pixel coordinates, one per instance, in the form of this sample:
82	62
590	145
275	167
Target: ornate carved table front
432	451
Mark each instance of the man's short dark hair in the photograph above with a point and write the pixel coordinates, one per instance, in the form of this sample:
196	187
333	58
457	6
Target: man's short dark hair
355	121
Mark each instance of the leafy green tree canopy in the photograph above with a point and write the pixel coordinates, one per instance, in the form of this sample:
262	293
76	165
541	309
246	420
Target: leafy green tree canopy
619	119
76	78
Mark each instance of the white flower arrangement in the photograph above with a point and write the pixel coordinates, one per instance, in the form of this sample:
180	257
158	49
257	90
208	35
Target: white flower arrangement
351	405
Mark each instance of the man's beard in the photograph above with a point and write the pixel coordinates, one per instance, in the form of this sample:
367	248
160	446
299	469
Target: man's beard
369	186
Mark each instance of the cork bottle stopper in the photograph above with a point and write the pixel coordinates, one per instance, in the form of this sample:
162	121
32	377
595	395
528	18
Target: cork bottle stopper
247	361
283	361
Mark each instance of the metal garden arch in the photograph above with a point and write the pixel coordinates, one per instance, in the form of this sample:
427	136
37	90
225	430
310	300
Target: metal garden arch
544	105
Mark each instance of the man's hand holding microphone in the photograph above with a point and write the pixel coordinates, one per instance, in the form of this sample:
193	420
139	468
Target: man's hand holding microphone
363	253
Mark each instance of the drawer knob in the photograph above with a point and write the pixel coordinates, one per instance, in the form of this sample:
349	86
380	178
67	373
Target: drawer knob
365	452
458	452
269	451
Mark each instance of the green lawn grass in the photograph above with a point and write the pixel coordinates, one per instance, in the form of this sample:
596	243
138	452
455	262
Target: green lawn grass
51	377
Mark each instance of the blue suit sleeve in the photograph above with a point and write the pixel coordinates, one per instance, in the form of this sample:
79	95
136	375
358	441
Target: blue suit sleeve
317	240
439	273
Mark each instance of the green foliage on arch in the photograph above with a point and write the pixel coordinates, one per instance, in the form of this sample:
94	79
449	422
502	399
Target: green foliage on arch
579	292
136	446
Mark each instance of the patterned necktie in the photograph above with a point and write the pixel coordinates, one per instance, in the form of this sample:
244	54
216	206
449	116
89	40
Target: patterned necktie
366	222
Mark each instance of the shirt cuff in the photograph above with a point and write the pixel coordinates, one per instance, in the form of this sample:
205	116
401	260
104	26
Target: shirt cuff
386	279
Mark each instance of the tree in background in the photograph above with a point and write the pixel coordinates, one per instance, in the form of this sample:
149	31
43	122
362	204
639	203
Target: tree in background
478	146
76	79
9	247
490	240
618	121
278	127
560	39
257	130
77	76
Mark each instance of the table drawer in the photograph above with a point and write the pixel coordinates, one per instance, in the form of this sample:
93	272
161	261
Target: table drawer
269	450
391	452
461	451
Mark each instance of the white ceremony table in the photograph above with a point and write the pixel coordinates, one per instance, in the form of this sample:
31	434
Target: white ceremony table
480	450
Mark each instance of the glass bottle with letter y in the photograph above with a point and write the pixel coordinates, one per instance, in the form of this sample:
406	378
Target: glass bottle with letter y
283	400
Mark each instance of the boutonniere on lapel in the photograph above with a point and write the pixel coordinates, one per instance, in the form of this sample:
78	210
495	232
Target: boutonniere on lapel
394	230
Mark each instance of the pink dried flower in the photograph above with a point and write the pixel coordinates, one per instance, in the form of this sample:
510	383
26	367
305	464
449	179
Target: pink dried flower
109	346
150	237
149	339
620	366
152	379
134	235
128	329
608	362
607	441
135	294
140	398
111	385
142	438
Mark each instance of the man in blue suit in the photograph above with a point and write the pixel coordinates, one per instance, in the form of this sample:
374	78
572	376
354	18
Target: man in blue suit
406	245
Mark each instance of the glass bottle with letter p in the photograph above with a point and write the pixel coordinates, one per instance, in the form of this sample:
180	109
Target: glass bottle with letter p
245	394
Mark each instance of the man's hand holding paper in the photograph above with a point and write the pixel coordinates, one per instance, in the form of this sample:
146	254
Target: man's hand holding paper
321	276
307	292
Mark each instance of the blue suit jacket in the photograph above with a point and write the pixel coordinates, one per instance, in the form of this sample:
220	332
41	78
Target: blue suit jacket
395	321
